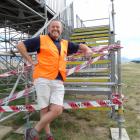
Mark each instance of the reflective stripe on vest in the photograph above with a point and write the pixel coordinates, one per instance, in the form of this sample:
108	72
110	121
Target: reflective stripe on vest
50	63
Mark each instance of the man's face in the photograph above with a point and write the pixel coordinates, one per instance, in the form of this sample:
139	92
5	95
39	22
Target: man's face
55	29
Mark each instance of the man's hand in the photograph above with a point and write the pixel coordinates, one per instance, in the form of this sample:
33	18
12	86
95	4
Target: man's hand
86	50
23	51
88	53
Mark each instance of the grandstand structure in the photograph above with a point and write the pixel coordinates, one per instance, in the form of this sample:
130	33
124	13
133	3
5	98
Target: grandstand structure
23	19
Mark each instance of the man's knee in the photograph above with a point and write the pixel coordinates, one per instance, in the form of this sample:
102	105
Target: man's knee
56	109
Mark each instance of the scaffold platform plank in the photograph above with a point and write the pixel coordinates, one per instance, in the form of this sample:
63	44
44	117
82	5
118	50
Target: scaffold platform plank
115	134
87	79
91	83
88	35
21	129
95	28
80	62
4	130
92	40
88	90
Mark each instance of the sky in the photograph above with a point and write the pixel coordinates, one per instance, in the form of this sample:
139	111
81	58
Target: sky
127	21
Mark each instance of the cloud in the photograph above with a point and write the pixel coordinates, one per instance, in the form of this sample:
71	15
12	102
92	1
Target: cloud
127	20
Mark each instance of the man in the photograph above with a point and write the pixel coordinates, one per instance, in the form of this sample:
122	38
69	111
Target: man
49	74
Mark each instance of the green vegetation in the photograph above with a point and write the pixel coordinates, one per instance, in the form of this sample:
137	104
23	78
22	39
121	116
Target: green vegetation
131	89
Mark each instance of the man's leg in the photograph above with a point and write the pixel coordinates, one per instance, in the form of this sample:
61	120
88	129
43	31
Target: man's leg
54	111
43	97
48	92
42	113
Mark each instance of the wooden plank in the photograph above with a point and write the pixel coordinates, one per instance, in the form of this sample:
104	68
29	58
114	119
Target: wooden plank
95	28
88	90
115	134
21	129
91	83
93	70
95	92
75	35
93	73
92	40
80	62
82	55
87	79
4	130
95	32
97	44
88	35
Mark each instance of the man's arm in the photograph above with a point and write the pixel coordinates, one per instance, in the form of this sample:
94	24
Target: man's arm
29	45
23	51
86	50
73	48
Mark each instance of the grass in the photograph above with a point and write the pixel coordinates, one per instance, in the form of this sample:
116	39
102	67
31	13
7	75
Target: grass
131	89
91	125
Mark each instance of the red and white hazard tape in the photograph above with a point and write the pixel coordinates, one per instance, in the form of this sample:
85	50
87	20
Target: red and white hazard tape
67	105
69	71
99	49
108	48
119	97
19	108
26	92
18	95
7	74
85	64
88	104
14	72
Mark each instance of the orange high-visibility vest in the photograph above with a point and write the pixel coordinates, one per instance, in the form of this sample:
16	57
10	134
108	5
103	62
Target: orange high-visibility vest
50	62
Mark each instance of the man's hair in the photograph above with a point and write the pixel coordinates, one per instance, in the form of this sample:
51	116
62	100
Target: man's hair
57	20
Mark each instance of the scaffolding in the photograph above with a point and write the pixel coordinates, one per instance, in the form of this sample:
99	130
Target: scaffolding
23	19
20	20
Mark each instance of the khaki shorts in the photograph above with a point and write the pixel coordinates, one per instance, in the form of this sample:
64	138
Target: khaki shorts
49	92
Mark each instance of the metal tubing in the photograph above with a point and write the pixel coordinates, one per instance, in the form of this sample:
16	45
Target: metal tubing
95	19
120	117
29	8
12	92
112	41
9	116
47	23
